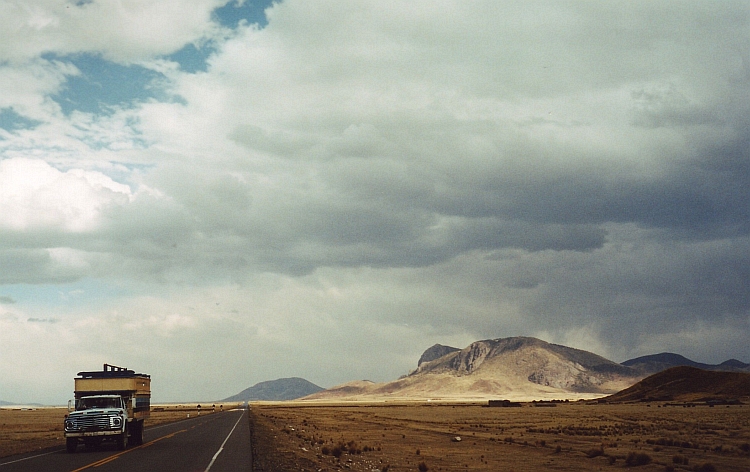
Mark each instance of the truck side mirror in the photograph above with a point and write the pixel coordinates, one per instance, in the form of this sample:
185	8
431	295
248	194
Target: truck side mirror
70	405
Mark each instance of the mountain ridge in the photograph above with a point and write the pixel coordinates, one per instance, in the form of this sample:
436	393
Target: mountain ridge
435	352
687	383
515	367
290	388
520	368
653	363
4	403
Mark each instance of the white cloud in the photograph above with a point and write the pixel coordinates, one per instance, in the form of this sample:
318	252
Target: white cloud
35	195
127	30
27	85
356	174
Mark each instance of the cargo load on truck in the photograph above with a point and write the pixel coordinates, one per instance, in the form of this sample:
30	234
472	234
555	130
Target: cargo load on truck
110	405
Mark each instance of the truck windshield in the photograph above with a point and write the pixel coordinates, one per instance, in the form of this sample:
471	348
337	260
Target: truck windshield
88	403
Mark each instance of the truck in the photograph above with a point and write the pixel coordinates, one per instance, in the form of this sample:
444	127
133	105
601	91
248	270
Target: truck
109	405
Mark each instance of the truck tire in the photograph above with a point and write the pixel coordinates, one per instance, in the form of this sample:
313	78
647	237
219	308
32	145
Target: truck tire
136	432
71	445
140	434
122	440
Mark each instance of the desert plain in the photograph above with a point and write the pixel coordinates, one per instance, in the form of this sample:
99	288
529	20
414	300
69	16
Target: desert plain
458	436
570	436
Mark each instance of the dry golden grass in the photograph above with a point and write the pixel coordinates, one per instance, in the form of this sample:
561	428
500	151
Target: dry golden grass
401	436
569	437
26	430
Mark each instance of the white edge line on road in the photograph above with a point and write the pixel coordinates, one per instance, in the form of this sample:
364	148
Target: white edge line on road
150	429
221	448
30	457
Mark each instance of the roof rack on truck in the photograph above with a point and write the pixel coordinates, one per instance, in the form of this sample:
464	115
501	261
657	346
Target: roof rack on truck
110	370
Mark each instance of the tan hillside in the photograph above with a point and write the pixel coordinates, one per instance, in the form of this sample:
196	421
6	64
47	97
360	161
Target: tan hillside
687	384
518	368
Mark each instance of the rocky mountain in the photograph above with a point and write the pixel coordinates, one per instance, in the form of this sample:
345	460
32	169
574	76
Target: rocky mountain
520	368
435	352
276	390
516	368
647	365
539	362
685	383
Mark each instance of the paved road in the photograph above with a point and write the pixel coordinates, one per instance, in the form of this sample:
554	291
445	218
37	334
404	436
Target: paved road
219	442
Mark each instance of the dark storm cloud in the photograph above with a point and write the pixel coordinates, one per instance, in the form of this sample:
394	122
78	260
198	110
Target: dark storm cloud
372	178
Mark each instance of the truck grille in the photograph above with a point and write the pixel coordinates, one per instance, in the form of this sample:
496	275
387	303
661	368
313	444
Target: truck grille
88	423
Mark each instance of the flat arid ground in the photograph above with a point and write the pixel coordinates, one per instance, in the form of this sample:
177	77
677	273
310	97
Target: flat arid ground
32	429
568	437
411	436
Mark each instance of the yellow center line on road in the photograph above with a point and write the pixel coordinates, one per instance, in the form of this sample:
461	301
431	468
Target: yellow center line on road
115	456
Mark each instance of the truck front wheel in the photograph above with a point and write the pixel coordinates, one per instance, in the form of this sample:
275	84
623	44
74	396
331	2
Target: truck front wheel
71	444
136	433
122	440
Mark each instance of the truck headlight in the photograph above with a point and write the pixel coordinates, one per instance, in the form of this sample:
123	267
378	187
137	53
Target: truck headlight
69	425
115	421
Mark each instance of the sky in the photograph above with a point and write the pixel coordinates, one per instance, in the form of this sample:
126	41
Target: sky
219	193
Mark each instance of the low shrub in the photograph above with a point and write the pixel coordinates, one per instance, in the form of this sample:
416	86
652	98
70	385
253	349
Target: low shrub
596	452
635	459
423	467
707	467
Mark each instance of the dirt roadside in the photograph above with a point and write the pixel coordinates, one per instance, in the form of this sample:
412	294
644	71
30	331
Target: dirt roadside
570	437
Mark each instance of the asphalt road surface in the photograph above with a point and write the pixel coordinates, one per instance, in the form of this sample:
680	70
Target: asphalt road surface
218	442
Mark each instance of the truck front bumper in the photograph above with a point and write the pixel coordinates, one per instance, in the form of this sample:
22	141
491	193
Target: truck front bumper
88	434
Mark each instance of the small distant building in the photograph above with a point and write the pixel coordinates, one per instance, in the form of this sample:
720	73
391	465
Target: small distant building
544	404
503	403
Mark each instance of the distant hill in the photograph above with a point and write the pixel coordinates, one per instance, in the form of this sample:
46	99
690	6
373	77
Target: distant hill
4	403
514	368
647	365
276	390
685	383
